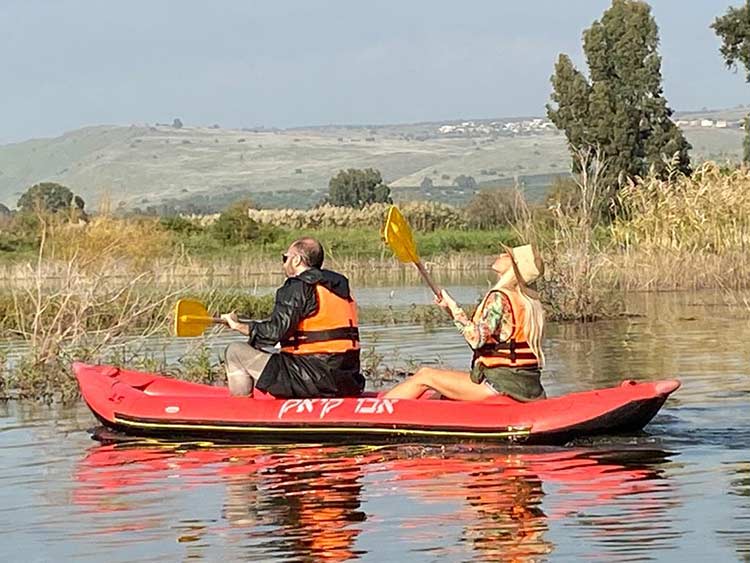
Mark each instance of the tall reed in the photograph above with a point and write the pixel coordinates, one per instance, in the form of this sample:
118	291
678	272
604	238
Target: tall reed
85	312
573	287
685	232
423	216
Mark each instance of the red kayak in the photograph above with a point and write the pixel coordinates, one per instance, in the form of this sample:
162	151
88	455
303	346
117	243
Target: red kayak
147	404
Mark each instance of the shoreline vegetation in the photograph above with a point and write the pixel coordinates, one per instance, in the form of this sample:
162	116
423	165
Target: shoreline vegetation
97	289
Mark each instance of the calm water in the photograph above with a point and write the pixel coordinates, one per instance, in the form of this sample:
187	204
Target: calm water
678	492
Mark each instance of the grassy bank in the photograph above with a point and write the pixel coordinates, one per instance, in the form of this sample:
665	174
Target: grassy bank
682	233
347	243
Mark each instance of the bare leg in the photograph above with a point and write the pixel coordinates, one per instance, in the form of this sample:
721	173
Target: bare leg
449	383
244	364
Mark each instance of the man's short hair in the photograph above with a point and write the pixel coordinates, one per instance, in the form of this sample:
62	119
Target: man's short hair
310	250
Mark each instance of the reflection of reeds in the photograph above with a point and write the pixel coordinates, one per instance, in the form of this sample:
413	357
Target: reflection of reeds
252	271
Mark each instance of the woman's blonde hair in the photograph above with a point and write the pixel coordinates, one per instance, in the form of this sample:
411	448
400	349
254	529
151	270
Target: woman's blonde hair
534	328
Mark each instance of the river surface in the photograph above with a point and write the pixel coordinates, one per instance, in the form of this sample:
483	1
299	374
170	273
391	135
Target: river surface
680	491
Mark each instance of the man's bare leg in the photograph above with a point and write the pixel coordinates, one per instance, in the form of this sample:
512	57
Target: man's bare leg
243	364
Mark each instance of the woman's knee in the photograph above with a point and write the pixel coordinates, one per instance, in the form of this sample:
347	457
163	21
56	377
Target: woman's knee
425	375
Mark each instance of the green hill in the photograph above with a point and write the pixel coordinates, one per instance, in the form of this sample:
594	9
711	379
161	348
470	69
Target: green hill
140	166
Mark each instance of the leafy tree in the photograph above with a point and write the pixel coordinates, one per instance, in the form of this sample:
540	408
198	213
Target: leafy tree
358	188
620	108
465	182
234	226
50	197
426	183
734	30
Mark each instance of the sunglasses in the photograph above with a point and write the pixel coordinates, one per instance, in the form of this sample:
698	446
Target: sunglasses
284	258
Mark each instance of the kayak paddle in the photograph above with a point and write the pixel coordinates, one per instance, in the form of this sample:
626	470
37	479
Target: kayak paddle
398	236
191	318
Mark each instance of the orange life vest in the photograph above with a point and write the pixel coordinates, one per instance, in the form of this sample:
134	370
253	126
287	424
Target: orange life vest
332	329
514	352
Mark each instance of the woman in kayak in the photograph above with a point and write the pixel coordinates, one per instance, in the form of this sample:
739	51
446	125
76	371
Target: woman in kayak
505	334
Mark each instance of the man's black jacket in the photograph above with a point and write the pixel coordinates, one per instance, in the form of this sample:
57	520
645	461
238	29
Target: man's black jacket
305	375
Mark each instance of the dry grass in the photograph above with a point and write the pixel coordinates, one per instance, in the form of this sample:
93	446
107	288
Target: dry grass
87	310
708	212
684	232
127	244
422	216
575	257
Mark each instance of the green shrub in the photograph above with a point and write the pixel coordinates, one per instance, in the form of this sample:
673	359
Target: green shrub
180	225
234	227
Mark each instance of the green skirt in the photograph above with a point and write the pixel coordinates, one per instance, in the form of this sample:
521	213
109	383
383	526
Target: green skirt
520	384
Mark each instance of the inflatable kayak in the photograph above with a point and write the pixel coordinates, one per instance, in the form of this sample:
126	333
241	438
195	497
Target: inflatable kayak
147	404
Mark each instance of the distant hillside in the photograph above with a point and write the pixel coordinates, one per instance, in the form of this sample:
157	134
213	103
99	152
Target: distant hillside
140	166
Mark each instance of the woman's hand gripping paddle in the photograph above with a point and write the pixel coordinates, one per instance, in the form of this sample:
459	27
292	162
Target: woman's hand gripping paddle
191	318
398	236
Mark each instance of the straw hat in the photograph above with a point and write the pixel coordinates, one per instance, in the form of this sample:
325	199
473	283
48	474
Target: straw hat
527	266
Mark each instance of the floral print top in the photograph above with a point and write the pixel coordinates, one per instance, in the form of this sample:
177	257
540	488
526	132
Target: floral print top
496	320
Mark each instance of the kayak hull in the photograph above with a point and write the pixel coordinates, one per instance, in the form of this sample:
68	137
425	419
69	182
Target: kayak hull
146	404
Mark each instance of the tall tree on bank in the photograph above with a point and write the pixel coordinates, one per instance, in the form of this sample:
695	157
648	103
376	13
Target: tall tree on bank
734	30
51	198
358	188
620	108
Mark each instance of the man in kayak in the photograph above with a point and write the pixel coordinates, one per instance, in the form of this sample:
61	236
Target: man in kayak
505	334
314	319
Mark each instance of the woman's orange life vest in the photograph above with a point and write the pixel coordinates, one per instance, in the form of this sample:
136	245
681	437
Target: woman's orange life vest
514	352
332	329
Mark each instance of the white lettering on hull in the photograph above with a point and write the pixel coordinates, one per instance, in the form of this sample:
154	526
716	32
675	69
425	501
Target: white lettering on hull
366	405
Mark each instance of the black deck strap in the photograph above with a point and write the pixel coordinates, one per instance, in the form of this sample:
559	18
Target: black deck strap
310	336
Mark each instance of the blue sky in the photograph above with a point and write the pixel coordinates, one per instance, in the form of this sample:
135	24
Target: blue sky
70	63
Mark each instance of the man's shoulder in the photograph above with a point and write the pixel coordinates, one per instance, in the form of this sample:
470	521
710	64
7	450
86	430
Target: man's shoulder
293	281
331	275
293	287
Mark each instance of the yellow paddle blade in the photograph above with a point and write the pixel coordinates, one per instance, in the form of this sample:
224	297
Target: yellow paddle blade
397	235
191	318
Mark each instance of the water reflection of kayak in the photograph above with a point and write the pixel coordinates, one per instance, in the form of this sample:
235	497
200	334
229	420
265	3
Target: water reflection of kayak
147	404
312	497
